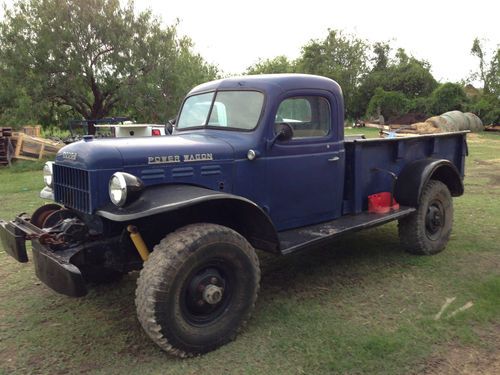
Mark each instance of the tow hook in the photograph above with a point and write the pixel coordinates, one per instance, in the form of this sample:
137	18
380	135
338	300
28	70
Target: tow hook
66	231
136	238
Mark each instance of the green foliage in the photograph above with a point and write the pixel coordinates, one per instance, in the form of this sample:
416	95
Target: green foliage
280	64
487	107
447	97
419	105
89	56
387	103
157	97
339	56
345	58
404	74
55	132
489	71
381	51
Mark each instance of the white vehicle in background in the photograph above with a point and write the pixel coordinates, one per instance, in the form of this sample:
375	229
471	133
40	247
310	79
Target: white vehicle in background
129	129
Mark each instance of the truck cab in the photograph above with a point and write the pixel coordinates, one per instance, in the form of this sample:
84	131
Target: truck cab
253	163
266	167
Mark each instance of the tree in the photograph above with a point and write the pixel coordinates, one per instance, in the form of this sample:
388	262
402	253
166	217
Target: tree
405	74
158	95
380	61
88	55
340	57
487	104
489	72
387	103
447	97
279	64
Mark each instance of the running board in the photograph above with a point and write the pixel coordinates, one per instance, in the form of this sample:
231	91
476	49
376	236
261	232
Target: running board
298	239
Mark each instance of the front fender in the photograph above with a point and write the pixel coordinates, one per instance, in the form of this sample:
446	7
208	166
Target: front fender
239	213
415	176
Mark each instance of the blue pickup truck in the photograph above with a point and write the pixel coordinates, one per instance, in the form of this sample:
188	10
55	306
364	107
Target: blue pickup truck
253	163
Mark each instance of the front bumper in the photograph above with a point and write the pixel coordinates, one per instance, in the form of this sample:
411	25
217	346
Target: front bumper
53	268
13	241
47	193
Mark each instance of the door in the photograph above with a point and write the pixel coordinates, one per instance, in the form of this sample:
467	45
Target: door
305	175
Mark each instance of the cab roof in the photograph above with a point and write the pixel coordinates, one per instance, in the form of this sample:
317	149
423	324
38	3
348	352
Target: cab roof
271	83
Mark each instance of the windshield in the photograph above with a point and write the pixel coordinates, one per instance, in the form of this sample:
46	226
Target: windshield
224	109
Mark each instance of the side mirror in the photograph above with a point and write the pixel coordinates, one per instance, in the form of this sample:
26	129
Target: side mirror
169	126
284	131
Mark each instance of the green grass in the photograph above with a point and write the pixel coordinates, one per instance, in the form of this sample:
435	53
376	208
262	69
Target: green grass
368	132
358	306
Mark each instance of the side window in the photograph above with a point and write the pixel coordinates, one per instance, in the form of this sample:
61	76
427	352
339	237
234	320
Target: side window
309	116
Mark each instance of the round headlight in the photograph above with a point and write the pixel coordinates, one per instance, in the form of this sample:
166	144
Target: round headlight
124	188
48	173
118	189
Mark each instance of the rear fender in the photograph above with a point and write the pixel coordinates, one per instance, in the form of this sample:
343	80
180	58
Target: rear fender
415	176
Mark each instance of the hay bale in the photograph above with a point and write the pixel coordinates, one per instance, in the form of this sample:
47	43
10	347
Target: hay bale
427	128
475	123
457	120
440	123
421	128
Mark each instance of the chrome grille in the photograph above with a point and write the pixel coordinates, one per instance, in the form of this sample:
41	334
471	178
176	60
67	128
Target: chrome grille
71	188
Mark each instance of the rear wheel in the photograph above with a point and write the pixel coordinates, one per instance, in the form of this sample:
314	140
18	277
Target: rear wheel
197	289
427	231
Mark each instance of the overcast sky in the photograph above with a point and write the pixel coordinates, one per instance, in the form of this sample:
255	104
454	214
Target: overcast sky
235	34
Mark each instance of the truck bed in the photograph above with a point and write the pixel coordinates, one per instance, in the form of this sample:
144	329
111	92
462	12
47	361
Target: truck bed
370	162
298	239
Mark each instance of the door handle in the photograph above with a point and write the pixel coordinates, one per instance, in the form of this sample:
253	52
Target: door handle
335	158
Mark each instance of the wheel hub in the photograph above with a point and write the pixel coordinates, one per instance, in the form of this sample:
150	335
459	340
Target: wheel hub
434	219
212	294
206	295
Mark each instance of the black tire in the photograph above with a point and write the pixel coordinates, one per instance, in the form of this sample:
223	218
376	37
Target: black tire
171	300
427	231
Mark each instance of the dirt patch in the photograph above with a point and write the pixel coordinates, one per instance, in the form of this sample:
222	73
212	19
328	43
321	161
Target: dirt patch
475	138
488	169
489	162
8	359
465	360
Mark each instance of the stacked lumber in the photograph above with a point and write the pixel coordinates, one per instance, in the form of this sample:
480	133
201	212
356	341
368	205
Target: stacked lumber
34	148
32	130
5	146
492	128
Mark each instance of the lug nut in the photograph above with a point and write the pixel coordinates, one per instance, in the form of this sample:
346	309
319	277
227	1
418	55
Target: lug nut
200	302
213	280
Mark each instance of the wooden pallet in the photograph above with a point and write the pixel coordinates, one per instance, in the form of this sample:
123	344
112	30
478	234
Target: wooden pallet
5	134
34	148
32	130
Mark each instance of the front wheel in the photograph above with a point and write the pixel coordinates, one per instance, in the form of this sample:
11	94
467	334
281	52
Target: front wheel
427	231
197	289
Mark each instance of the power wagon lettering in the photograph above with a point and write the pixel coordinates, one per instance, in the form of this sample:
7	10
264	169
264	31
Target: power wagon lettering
177	158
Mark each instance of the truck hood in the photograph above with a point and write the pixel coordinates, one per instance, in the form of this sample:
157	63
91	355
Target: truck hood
112	153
